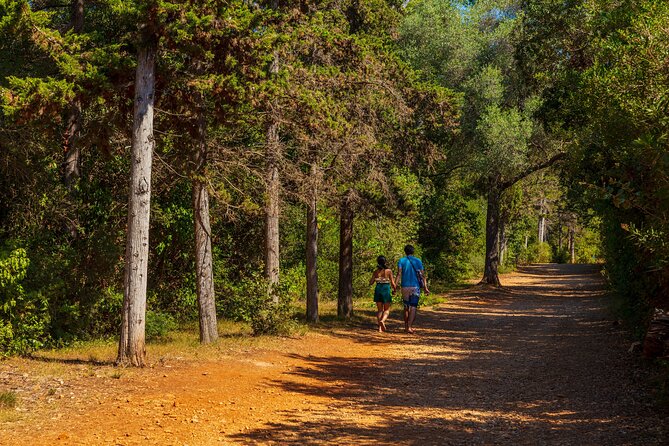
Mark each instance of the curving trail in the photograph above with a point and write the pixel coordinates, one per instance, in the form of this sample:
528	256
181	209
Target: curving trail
538	363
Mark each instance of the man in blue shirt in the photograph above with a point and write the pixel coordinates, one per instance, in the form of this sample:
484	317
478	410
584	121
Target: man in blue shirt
410	269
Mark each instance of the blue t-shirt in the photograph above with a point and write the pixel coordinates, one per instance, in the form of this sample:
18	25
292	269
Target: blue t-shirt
409	278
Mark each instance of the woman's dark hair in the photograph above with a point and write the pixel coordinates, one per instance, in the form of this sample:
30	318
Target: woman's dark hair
381	262
408	250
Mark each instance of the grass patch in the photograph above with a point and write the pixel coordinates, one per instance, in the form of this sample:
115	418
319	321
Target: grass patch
8	400
183	342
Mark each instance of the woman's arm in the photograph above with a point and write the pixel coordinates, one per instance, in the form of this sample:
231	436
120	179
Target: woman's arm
392	280
371	281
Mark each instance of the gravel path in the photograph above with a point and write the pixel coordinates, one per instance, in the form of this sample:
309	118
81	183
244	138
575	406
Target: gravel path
537	363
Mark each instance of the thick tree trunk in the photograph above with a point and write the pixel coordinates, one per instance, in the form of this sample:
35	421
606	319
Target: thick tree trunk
572	245
131	346
71	149
273	197
312	258
490	273
345	294
204	275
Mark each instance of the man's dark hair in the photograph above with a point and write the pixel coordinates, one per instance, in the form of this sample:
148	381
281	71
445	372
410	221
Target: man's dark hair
408	250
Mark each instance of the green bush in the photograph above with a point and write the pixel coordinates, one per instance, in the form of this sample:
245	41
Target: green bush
561	256
539	253
248	300
107	312
158	324
24	317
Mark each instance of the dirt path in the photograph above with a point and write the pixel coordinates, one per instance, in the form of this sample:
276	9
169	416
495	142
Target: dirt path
537	364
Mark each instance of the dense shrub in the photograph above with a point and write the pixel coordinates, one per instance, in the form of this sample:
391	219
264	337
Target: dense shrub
24	316
538	253
158	324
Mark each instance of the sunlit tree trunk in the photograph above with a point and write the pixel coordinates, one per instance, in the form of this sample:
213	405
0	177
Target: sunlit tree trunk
503	239
132	348
204	275
312	257
273	197
490	273
345	294
572	245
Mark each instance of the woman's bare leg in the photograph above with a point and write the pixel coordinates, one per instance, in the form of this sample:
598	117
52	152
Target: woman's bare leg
379	315
384	316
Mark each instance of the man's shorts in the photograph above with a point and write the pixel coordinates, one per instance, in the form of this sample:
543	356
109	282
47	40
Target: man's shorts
410	296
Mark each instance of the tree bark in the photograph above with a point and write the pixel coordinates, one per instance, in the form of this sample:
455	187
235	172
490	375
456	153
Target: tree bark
71	149
541	236
312	257
345	294
203	255
503	239
132	348
572	245
559	232
273	197
490	273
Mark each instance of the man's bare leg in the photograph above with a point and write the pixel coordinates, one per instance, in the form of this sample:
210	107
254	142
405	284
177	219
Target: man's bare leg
410	318
406	318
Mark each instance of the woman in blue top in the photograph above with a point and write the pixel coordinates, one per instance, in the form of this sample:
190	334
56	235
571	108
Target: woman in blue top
383	277
410	270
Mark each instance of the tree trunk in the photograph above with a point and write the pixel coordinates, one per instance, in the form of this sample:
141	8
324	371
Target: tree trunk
204	275
71	149
503	239
312	258
572	245
345	294
541	236
131	346
273	191
490	273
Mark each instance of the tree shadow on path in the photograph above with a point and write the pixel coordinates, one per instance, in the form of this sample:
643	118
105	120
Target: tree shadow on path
538	366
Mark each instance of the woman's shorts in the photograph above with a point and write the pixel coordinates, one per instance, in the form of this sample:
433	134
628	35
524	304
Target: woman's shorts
382	293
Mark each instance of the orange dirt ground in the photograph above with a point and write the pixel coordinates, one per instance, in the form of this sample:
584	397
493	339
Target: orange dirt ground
537	363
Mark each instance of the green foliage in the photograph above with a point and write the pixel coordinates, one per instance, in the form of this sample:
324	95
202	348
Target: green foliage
561	256
451	233
23	316
537	253
158	325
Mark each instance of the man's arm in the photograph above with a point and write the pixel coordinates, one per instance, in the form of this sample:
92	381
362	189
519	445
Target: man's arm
399	274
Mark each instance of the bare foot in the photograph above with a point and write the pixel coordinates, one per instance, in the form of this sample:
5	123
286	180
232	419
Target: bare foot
382	326
411	330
